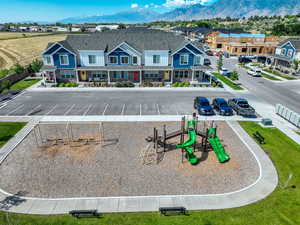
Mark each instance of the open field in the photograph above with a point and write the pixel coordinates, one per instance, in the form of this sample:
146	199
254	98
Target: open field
14	35
281	207
24	50
115	167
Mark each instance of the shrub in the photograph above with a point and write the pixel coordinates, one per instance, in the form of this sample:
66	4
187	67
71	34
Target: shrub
19	69
147	84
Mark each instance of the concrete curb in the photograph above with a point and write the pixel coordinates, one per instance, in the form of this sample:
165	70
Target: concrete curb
265	185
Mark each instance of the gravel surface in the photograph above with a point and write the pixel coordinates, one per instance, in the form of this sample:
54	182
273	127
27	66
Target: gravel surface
116	168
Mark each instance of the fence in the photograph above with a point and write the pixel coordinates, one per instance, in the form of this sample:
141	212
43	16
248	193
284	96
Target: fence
13	78
288	114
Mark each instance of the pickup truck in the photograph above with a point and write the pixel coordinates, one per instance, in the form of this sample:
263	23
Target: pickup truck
241	107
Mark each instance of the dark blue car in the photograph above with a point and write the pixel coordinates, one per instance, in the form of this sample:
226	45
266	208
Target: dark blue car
203	106
222	107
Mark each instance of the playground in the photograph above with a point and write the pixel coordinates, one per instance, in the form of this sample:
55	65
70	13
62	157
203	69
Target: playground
105	159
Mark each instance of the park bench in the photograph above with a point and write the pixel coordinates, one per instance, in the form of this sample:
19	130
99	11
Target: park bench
259	138
84	213
167	211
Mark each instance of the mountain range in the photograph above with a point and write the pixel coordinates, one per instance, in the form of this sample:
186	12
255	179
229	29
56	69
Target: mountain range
220	8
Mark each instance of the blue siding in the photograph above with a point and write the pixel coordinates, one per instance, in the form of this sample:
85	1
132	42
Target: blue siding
119	53
288	47
72	61
176	59
193	49
52	49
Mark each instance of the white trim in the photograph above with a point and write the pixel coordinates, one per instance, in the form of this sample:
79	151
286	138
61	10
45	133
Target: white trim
187	59
51	47
95	59
187	49
67	64
124	56
119	46
196	58
290	44
65	49
137	60
158	60
113	57
45	61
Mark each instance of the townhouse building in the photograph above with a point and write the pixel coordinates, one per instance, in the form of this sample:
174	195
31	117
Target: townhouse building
135	55
286	52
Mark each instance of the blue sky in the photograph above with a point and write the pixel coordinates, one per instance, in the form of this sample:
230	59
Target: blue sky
53	10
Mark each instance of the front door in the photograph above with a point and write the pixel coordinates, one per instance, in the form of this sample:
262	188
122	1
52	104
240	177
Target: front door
136	76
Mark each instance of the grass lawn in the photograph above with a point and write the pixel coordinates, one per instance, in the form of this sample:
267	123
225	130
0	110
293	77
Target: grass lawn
227	81
23	84
279	74
270	77
280	208
8	130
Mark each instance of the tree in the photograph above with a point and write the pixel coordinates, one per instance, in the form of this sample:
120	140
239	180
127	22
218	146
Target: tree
220	63
296	64
121	27
35	66
234	75
5	85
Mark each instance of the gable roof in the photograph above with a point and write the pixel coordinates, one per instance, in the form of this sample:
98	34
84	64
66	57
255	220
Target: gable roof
294	41
139	39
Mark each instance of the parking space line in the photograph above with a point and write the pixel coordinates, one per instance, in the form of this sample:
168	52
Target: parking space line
105	109
158	111
51	110
69	110
30	112
123	109
140	109
15	109
3	105
88	109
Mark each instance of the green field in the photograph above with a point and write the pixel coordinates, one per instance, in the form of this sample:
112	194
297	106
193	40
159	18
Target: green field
227	81
8	130
280	208
22	85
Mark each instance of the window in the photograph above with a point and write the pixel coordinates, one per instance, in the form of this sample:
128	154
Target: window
64	60
253	50
283	51
67	74
47	60
176	74
92	59
219	45
198	60
124	60
134	60
186	74
244	50
156	59
184	59
290	53
113	59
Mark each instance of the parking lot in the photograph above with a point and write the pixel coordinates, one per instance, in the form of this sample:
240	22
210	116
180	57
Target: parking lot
104	103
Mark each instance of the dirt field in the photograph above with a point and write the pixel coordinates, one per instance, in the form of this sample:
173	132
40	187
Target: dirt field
10	35
116	168
23	50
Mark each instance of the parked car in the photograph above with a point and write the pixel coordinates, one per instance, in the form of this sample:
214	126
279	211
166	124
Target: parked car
241	107
243	59
209	52
254	72
203	106
218	53
225	72
221	106
207	62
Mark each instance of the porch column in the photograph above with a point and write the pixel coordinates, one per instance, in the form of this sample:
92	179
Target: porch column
210	79
193	75
108	76
77	76
43	75
172	73
54	73
141	77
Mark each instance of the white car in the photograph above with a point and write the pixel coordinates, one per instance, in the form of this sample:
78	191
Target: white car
254	72
225	72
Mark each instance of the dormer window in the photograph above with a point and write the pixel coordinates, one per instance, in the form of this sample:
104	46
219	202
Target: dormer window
290	53
135	60
64	60
113	59
124	60
283	51
184	59
156	59
198	60
92	59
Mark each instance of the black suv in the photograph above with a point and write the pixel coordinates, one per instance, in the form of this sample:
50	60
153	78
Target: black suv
203	106
222	107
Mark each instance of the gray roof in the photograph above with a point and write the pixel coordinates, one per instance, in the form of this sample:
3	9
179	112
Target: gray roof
141	39
295	42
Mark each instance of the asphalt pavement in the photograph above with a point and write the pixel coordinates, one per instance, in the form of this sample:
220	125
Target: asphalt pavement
286	93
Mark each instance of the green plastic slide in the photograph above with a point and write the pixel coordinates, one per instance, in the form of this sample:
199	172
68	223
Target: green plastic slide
187	146
217	146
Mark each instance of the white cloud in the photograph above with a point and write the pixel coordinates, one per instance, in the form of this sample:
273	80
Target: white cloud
146	6
134	5
178	3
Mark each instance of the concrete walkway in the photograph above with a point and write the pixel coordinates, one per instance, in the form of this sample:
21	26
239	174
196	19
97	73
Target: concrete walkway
265	185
